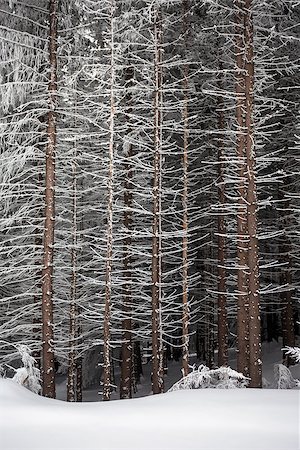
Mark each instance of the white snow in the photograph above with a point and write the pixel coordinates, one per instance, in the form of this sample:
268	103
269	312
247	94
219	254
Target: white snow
208	419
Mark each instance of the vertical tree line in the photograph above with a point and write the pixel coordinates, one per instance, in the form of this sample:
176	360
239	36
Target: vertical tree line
166	136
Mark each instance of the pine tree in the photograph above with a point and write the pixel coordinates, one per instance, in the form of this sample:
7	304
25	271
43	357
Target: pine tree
48	372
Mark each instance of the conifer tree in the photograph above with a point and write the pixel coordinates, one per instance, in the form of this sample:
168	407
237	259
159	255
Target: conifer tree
48	372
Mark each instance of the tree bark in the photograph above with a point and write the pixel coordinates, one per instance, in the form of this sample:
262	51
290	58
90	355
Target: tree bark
222	301
108	279
157	357
253	257
73	328
48	369
287	315
127	362
185	117
79	375
242	229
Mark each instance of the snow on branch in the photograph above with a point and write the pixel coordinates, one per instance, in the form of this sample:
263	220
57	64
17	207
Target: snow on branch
293	352
284	379
28	375
203	378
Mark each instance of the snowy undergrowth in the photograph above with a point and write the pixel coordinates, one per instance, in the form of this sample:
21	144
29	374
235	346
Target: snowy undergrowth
203	378
293	352
282	375
28	375
284	379
227	378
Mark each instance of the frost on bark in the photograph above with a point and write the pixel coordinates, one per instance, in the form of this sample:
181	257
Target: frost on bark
157	353
127	349
79	372
242	231
126	359
73	311
222	301
286	297
48	369
109	248
185	118
253	257
248	322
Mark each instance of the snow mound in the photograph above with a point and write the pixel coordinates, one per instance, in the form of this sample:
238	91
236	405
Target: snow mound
208	419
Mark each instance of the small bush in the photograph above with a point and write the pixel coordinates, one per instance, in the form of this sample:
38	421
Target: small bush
203	378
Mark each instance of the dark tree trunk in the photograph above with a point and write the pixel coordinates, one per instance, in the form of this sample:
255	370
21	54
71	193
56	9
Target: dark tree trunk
126	352
157	375
185	118
253	258
242	229
109	249
73	311
79	358
222	302
287	315
48	369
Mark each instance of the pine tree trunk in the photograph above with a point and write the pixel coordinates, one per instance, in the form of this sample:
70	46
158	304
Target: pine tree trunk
209	334
36	329
222	302
126	360
48	369
73	328
157	376
79	377
242	230
126	363
185	117
108	280
253	257
287	315
79	358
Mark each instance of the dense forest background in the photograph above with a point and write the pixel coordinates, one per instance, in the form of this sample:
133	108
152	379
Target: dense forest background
149	185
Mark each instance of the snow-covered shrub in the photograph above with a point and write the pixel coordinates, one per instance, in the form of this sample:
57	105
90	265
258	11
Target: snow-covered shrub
28	375
284	379
266	383
293	352
203	378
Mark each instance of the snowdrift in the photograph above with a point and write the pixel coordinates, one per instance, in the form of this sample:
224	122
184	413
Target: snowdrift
208	419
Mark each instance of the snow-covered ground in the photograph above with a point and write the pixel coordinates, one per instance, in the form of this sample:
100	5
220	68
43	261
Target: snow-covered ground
208	419
272	354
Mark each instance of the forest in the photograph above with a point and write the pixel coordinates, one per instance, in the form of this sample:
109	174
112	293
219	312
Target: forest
149	194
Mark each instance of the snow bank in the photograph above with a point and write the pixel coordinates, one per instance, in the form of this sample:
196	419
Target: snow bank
208	419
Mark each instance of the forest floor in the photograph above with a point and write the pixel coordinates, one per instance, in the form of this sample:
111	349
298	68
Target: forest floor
272	354
203	419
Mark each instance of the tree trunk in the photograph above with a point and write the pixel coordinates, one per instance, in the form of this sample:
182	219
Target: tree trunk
255	362
185	117
157	375
222	302
79	377
73	328
36	330
126	362
287	315
108	280
48	369
242	231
